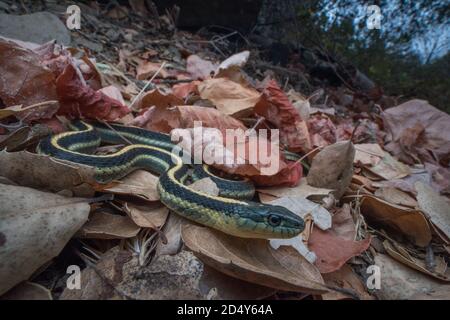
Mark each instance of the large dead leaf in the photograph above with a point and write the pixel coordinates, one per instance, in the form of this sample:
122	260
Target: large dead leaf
158	99
102	225
28	291
389	168
23	79
146	69
77	99
147	216
409	222
332	168
35	226
342	242
418	130
139	183
276	108
302	190
163	119
435	206
395	196
199	68
229	97
254	261
347	279
399	282
369	154
440	269
40	171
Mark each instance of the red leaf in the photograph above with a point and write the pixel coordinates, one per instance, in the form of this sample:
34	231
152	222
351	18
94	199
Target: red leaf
277	109
77	99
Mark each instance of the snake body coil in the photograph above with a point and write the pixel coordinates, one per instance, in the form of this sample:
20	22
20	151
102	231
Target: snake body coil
154	152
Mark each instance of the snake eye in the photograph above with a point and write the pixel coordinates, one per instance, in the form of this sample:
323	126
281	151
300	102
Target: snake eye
274	220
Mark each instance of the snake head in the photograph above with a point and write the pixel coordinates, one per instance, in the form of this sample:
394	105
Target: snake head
269	221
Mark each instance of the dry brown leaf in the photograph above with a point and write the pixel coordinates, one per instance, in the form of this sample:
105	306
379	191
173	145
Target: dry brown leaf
23	79
345	278
146	70
102	225
35	227
158	99
172	232
139	183
37	111
332	250
369	154
435	206
389	168
164	119
148	216
332	168
432	139
401	255
396	196
302	190
41	171
229	97
276	108
28	291
409	222
400	282
253	260
199	68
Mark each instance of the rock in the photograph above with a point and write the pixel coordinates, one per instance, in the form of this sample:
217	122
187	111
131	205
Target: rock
39	27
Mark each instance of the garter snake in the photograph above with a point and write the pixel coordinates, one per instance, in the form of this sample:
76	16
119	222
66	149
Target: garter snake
153	151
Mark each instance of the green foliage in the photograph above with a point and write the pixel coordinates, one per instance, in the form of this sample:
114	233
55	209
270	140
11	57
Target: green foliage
387	56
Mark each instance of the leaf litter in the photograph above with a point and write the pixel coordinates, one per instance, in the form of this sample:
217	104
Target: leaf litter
372	186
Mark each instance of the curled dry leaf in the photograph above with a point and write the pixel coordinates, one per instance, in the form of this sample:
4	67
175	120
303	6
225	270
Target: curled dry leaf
37	111
389	168
276	108
102	225
253	260
435	206
302	190
440	271
40	171
401	282
345	278
139	183
332	168
396	196
158	99
163	119
199	68
229	97
409	222
77	99
172	232
418	130
369	154
337	245
205	185
28	291
35	227
322	131
23	79
146	69
184	90
147	216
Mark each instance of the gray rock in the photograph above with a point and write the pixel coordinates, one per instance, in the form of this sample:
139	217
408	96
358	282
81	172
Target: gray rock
39	27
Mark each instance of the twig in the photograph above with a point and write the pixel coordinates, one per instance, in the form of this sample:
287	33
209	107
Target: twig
146	85
115	131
